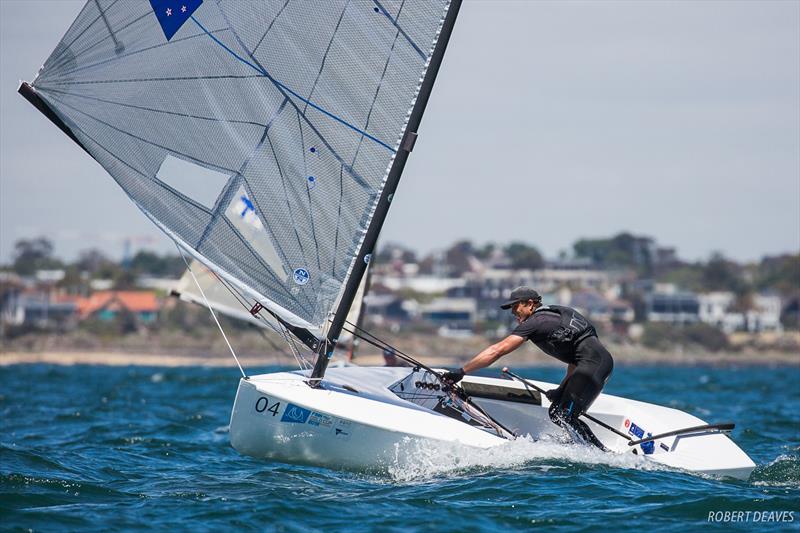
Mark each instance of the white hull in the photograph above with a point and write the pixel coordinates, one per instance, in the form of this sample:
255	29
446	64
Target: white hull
355	421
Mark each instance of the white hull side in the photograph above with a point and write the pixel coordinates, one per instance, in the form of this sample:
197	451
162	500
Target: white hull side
367	429
701	452
335	428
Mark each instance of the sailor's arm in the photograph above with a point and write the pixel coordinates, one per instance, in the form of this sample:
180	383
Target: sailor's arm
493	353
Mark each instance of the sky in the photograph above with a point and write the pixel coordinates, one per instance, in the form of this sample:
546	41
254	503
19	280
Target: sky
549	122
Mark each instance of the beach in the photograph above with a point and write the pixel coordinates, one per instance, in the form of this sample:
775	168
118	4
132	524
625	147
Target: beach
526	357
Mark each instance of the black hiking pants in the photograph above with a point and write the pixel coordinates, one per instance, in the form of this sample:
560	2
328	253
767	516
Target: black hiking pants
582	387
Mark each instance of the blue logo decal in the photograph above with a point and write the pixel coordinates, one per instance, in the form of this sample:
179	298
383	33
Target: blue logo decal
172	14
648	447
301	276
636	430
295	414
247	206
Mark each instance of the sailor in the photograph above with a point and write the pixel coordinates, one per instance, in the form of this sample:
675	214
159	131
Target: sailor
563	333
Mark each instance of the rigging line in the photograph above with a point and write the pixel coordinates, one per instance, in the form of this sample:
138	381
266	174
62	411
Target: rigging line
108	27
290	91
80	34
211	310
154	110
289	339
295	352
308	190
116	45
279	329
454	390
400	30
380	344
274	345
410	359
270	26
241	299
253	275
139	51
260	261
243	302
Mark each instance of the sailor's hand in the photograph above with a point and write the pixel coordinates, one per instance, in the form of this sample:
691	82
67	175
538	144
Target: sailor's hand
554	395
454	376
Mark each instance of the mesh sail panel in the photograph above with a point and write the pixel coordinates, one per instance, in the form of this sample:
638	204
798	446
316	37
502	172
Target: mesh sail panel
259	135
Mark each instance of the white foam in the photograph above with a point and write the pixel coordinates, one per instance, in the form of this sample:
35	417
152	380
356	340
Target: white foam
421	460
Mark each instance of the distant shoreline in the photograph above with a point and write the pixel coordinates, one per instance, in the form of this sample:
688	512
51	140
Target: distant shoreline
622	358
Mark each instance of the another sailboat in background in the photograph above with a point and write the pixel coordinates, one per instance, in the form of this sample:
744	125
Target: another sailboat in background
201	286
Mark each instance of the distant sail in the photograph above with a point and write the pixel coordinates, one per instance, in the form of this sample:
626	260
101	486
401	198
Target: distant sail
222	300
231	304
258	135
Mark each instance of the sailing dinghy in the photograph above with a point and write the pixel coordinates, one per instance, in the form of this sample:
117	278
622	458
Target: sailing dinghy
267	139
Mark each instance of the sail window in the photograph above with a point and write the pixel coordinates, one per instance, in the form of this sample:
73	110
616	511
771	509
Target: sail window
199	183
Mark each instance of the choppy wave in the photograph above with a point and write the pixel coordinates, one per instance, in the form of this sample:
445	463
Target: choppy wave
99	448
783	471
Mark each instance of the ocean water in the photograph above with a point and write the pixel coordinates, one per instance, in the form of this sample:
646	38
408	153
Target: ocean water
117	448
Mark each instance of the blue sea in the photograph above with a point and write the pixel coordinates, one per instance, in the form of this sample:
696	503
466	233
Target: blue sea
132	448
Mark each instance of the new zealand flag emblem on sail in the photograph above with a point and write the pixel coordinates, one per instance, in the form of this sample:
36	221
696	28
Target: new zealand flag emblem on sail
171	14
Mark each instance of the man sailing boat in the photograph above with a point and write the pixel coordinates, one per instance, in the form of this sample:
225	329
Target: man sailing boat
565	334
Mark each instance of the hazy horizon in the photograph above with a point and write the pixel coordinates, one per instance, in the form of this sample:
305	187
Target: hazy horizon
549	122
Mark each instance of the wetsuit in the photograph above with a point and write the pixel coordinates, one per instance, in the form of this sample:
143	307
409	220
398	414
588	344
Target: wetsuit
565	334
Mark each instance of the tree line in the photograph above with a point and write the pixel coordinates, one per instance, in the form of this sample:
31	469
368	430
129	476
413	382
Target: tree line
642	255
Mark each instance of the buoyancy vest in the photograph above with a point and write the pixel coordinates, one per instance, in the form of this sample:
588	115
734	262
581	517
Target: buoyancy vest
563	341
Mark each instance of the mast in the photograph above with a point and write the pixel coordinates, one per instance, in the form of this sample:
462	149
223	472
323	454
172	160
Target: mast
385	200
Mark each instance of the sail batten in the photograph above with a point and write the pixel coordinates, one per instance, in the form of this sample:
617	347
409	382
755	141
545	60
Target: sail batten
260	135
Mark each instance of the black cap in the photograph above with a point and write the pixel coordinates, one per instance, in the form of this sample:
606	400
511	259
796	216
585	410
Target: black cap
521	294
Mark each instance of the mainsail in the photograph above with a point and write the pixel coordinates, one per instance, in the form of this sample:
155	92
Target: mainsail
201	286
266	138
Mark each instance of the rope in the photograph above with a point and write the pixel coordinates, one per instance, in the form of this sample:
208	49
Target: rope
211	310
455	392
301	361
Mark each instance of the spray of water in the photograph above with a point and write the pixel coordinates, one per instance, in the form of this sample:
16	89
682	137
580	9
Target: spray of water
417	460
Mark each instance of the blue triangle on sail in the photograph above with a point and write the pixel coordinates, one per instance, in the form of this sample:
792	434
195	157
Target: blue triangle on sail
172	14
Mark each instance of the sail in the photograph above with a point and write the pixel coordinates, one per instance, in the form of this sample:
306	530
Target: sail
230	303
264	137
219	296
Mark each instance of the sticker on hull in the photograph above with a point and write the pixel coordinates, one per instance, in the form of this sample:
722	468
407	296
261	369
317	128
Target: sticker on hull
295	414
